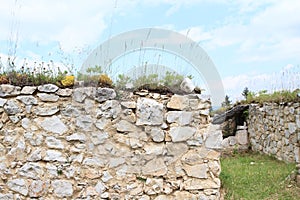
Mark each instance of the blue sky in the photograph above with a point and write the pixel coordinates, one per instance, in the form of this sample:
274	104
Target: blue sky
252	43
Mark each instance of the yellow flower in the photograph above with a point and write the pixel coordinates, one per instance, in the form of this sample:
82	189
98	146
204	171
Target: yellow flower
105	81
68	81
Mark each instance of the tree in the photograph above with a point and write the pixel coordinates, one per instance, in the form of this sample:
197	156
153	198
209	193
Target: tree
245	92
227	102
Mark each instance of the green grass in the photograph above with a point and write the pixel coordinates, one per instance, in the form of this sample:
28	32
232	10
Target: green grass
254	176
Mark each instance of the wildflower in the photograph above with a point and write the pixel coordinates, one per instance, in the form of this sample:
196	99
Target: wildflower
68	81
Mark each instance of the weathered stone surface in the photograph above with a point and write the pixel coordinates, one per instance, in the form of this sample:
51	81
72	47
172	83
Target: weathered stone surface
179	134
155	167
54	125
67	92
103	94
84	122
102	123
27	99
100	187
31	170
18	185
54	143
76	137
199	184
11	107
187	85
62	188
110	109
214	137
46	111
38	188
48	88
157	134
178	102
125	126
7	196
154	149
28	90
129	104
70	111
242	137
54	155
149	112
2	102
9	90
94	162
79	95
181	117
99	137
196	171
48	97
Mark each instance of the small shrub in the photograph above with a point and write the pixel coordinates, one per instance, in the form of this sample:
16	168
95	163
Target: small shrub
68	81
105	81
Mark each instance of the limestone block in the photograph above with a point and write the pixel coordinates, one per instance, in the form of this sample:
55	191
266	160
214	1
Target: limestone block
149	112
62	188
38	188
180	117
11	107
48	88
53	124
28	90
103	94
18	185
181	133
48	97
9	90
178	102
27	99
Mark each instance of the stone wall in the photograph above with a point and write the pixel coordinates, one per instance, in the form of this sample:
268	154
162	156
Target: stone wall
274	129
91	143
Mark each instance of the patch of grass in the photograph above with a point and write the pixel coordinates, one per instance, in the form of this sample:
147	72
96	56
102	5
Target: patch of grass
254	176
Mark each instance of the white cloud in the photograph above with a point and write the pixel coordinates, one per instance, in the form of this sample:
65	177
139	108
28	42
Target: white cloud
285	79
268	34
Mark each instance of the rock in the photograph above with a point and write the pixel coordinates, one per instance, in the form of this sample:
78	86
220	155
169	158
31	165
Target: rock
46	111
179	134
154	149
7	196
149	112
48	88
236	112
38	188
176	149
104	94
53	155
110	109
115	162
36	155
214	137
199	184
48	97
54	125
31	170
18	185
79	95
28	90
2	102
27	99
125	126
157	134
70	111
84	122
14	119
11	107
100	187
242	137
102	123
193	157
99	137
106	176
196	171
129	104
67	92
187	85
9	90
181	117
178	102
54	143
292	127
155	167
76	137
96	162
62	188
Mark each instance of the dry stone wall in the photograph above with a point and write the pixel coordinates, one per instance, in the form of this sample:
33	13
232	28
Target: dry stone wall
274	129
91	143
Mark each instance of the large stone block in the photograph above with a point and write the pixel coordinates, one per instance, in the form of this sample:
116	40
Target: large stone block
149	112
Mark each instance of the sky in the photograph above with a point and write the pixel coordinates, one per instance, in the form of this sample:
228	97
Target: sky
252	43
